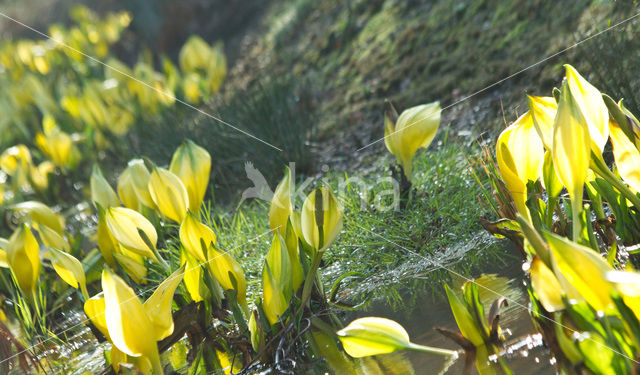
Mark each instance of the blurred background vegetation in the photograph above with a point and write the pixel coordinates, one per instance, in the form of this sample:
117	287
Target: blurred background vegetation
311	76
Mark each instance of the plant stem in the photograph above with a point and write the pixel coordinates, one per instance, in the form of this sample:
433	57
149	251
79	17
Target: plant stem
311	277
161	260
576	216
432	350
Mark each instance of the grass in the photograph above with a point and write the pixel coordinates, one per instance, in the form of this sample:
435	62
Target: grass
439	224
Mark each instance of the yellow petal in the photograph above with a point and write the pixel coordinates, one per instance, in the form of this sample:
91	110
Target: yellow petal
273	299
628	286
94	308
221	264
508	170
51	238
594	110
124	224
158	306
372	336
69	269
169	194
321	219
126	190
192	164
129	326
193	235
15	158
550	180
105	240
3	253
127	322
193	278
132	263
543	111
627	157
580	269
571	156
546	286
23	256
140	178
101	192
41	213
416	127
281	208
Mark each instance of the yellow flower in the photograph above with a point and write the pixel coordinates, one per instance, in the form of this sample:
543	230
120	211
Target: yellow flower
520	155
321	219
41	213
415	128
546	286
23	256
169	194
140	177
281	208
54	143
69	269
228	273
277	281
543	111
101	192
15	158
194	235
594	111
372	336
129	326
626	155
126	226
158	306
570	153
39	175
192	164
127	191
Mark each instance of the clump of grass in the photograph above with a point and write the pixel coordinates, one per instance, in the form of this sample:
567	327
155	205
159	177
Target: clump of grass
279	111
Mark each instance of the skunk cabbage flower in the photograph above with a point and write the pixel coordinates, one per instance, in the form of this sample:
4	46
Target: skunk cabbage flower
140	178
55	144
14	159
372	336
69	269
626	155
101	192
594	111
40	213
125	225
281	208
169	194
128	324
158	306
520	155
543	111
415	128
192	164
546	286
228	273
570	154
580	271
277	280
193	235
321	219
23	256
127	191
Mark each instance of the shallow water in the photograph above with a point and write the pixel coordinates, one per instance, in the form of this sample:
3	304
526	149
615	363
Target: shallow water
524	353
